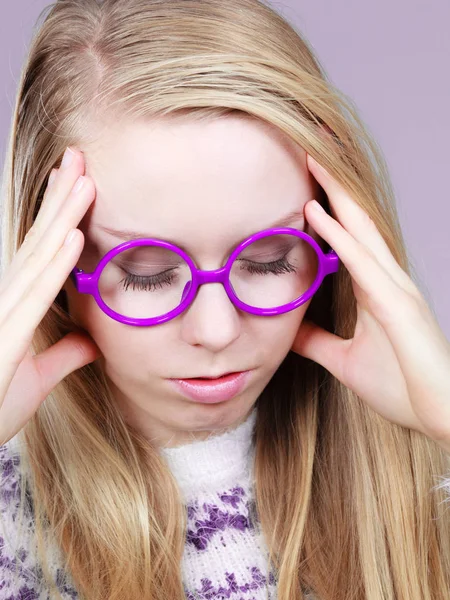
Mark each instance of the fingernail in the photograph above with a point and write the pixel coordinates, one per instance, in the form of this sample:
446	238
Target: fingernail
317	206
70	237
78	184
52	177
67	158
319	166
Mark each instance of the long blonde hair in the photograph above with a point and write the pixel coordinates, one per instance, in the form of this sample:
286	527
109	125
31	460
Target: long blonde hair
360	515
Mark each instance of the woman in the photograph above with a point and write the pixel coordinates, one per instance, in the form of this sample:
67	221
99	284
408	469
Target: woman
315	462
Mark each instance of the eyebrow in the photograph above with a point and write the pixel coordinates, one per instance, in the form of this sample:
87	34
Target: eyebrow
129	234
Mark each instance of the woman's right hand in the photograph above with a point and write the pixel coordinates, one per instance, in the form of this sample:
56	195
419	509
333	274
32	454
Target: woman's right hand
29	287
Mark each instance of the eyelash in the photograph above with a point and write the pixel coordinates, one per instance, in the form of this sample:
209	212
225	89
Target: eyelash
167	277
155	281
276	267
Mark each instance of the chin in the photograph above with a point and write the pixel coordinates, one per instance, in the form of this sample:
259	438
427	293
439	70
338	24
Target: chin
220	415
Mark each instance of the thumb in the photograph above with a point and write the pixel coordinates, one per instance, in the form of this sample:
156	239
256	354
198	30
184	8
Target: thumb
321	346
72	352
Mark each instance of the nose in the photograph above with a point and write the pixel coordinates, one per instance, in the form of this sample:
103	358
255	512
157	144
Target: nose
211	320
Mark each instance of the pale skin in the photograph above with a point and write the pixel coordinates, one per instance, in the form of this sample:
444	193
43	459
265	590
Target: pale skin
205	187
243	168
398	360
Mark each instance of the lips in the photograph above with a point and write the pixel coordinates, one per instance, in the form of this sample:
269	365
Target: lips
211	390
212	376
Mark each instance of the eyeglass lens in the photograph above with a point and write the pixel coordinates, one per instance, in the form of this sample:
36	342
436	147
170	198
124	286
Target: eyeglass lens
149	281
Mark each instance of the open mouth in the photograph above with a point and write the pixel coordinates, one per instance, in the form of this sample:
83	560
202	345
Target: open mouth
215	378
207	390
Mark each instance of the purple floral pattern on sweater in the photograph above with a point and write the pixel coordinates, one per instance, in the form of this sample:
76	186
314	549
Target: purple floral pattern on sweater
207	521
203	529
29	582
228	519
233	589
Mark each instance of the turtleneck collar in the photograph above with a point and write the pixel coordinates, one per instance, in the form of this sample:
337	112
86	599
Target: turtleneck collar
214	463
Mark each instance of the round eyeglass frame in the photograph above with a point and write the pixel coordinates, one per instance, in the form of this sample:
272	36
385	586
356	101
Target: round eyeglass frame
87	283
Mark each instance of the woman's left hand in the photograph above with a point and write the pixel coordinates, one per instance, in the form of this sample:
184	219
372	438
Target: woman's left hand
398	360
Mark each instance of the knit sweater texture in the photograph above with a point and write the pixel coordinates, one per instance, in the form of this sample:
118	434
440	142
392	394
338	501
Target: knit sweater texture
225	554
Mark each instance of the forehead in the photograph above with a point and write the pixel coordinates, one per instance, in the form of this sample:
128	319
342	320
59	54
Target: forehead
181	177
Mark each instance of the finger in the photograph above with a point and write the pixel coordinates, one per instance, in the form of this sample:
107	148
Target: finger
54	198
385	297
52	177
51	180
22	275
37	376
358	223
72	352
322	347
24	318
55	195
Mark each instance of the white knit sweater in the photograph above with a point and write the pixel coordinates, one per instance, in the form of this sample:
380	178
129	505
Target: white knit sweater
225	555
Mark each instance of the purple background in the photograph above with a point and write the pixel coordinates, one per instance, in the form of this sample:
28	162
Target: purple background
392	59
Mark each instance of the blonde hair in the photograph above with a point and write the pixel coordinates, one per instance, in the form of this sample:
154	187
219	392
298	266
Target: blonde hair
359	515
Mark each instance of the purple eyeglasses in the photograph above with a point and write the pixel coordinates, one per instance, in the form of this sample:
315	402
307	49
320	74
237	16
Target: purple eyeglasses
88	283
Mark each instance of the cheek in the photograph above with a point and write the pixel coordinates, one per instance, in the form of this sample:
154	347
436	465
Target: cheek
276	334
136	350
